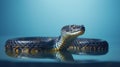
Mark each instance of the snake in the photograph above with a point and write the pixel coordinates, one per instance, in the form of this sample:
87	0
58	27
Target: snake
67	41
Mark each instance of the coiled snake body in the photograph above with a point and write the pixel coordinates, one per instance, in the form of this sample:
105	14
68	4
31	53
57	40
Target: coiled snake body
67	41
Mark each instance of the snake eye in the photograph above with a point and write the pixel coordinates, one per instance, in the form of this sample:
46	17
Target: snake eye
73	27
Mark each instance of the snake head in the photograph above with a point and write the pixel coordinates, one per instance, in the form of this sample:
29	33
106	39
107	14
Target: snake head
73	30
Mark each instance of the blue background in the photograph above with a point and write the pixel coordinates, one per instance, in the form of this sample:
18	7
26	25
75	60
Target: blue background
46	17
24	18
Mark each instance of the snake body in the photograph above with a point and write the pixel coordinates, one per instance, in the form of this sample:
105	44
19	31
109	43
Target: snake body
67	41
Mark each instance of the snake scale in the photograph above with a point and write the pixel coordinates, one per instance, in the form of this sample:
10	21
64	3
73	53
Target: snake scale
67	41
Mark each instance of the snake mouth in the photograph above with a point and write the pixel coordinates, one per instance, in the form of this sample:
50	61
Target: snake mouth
73	30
